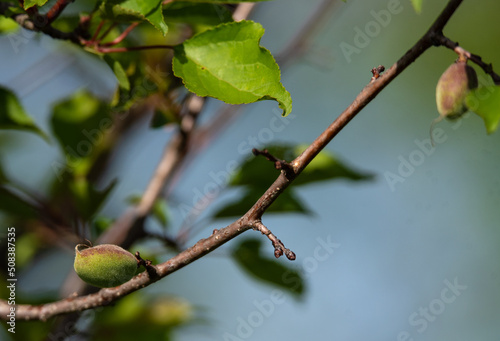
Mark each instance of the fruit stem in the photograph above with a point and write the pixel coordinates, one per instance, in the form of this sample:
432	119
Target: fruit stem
77	247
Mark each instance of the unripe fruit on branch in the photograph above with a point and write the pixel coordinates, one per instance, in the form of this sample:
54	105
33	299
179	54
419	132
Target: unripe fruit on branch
452	89
104	265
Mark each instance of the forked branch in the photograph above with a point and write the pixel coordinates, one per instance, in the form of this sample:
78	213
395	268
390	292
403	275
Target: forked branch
252	218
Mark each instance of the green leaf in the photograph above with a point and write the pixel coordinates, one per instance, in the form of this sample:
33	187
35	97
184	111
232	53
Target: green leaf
417	5
119	72
67	23
257	171
31	3
162	118
228	63
132	10
287	202
159	210
80	123
100	224
15	205
88	198
27	245
142	317
485	102
248	255
12	114
196	14
7	25
3	176
257	174
326	166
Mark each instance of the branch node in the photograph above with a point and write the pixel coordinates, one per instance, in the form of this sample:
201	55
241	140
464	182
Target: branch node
278	164
150	268
376	71
466	55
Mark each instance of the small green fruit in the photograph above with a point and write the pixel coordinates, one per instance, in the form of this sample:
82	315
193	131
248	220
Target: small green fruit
452	89
104	265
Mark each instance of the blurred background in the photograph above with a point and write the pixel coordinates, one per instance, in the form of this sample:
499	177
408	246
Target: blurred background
411	254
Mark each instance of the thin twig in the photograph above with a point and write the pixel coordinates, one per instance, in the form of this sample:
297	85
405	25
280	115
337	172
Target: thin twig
229	113
487	68
279	247
97	31
174	152
252	217
105	33
122	36
278	164
56	10
32	21
374	88
243	11
131	48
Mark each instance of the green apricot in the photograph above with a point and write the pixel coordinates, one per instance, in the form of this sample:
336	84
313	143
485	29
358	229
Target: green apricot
105	265
452	89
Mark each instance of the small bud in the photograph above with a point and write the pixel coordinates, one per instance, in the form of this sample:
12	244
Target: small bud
104	265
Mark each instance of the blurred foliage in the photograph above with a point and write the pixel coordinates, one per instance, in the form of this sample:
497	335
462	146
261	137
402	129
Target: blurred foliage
213	56
7	25
87	129
159	210
12	114
485	101
248	256
417	5
138	317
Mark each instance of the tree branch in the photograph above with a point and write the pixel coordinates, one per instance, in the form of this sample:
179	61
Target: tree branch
39	23
487	68
252	218
292	51
279	247
56	10
174	153
130	225
375	87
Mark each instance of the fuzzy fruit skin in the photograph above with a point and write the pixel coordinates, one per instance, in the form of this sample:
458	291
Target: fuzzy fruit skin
105	265
452	89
